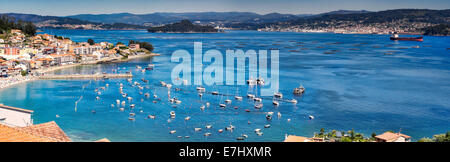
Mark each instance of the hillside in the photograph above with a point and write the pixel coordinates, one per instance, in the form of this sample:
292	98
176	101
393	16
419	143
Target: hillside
185	26
438	30
401	20
161	18
67	23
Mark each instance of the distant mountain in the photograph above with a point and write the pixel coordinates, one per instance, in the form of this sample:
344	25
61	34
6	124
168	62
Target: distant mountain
160	18
362	17
345	12
67	22
38	18
404	20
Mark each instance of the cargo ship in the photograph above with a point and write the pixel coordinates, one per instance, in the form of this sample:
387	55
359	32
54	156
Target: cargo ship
396	37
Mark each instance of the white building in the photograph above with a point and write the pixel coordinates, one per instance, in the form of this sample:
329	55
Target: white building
15	117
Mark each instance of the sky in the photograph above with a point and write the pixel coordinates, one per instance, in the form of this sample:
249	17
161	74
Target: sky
72	7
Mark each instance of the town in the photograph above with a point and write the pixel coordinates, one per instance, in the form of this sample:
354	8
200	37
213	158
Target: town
23	58
352	27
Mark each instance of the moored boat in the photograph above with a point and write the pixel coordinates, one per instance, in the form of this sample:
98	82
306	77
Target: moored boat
397	38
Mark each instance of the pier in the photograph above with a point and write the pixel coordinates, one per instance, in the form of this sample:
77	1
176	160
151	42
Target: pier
86	76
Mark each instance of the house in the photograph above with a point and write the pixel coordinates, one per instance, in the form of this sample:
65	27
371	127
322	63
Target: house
392	137
3	69
134	46
12	51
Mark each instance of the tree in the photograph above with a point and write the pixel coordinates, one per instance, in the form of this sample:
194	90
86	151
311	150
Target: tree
91	42
322	131
352	134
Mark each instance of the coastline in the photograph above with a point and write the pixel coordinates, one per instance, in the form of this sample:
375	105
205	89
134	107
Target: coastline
11	81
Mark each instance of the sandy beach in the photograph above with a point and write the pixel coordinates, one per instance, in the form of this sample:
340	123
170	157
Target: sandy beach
11	81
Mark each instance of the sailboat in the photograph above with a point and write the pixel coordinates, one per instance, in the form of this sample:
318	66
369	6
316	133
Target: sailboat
237	97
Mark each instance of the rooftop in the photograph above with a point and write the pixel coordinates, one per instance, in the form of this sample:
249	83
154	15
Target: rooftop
46	132
390	136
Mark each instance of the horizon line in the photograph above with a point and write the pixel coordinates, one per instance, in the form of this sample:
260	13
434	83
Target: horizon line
220	12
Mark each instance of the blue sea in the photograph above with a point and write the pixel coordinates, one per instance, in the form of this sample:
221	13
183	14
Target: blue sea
353	81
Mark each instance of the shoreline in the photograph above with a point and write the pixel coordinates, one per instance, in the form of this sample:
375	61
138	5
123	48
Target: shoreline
12	81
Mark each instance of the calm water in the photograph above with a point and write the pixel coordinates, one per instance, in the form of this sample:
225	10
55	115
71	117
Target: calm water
370	84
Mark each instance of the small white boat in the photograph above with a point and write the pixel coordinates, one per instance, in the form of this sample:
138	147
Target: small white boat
279	115
172	113
132	106
201	89
276	103
245	136
197	129
288	120
215	93
132	114
311	117
228	101
260	81
258	106
169	85
240	138
278	95
250	96
118	101
177	101
173	132
259	133
238	98
122	109
207	134
123	103
147	95
187	118
257	99
267	126
200	94
208	126
155	96
269	115
4	118
222	105
97	98
294	101
257	130
162	83
207	104
151	116
220	130
202	107
300	90
131	118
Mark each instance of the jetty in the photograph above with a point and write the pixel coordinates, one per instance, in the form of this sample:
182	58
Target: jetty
86	76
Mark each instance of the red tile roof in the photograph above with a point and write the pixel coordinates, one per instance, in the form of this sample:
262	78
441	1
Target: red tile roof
389	136
49	130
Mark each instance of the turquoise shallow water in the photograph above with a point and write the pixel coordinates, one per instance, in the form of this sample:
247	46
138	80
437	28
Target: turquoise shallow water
359	87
